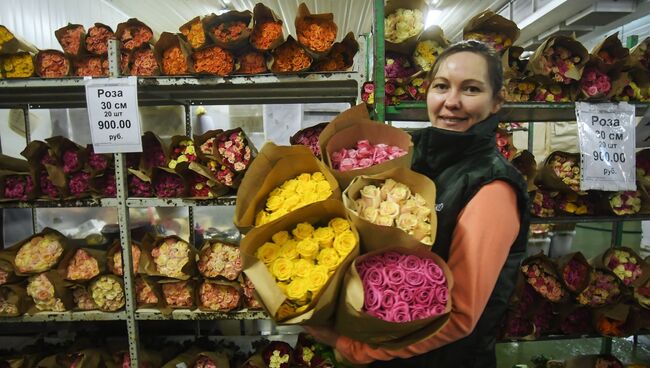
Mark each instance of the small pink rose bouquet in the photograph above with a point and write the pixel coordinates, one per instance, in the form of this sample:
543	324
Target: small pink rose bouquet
364	155
402	288
603	289
178	294
595	83
562	64
18	187
216	297
575	273
168	185
79	184
309	137
539	274
139	187
235	150
218	259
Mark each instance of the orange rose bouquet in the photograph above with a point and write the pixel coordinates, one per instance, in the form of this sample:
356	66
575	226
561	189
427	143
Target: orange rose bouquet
172	54
48	293
91	66
52	64
316	32
267	29
194	33
219	297
98	37
290	58
229	30
144	63
133	34
178	294
71	38
340	57
82	264
252	62
114	259
213	60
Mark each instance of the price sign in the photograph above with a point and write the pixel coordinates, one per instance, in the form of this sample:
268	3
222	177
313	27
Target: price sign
113	114
607	144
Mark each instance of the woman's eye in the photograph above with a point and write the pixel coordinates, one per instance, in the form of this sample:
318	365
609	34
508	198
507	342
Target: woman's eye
439	86
472	89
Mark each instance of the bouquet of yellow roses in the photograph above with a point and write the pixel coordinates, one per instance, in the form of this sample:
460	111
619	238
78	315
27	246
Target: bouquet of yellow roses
168	256
107	292
279	181
430	44
194	33
38	253
297	263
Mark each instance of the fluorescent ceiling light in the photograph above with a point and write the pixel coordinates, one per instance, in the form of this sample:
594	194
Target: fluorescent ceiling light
432	18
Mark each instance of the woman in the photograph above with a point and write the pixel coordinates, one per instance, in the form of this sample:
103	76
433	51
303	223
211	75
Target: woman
482	214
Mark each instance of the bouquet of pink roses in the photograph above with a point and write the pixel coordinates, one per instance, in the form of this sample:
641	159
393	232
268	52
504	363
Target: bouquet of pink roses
309	137
575	271
541	274
17	186
594	83
235	150
561	58
364	154
167	183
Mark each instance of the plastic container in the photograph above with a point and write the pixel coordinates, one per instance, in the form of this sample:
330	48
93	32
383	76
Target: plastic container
561	243
537	245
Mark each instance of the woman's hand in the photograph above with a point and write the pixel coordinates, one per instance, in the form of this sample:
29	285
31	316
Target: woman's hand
324	335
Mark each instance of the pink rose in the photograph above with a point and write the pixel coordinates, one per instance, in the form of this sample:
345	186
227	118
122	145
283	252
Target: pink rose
424	296
411	263
406	294
375	277
442	295
379	156
437	310
592	91
348	164
372	298
391	258
414	278
368	87
434	273
418	313
400	313
394	275
352	153
364	162
388	299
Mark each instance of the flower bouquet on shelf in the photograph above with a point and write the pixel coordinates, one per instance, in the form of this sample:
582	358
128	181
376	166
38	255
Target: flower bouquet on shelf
604	288
248	291
403	23
340	57
107	292
575	204
525	163
229	30
82	299
38	253
234	150
640	54
223	174
404	290
612	53
379	203
310	353
14	301
18	65
560	58
544	203
133	34
632	92
49	176
514	67
167	183
417	89
316	32
552	93
214	296
398	66
577	322
561	172
540	272
309	137
173	55
97	39
267	29
430	44
178	294
147	292
114	259
48	293
594	83
52	64
574	271
71	38
642	294
6	269
213	60
154	153
82	264
98	163
168	256
543	319
504	144
139	184
144	63
626	264
495	30
522	90
104	186
517	327
620	320
90	66
368	93
201	181
182	149
9	43
79	184
194	33
643	168
625	203
278	354
218	259
302	263
290	57
16	186
252	62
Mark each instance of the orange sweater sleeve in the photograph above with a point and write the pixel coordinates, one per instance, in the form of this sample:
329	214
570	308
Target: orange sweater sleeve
486	229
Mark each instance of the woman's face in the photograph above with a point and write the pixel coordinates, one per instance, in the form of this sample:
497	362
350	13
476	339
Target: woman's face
460	94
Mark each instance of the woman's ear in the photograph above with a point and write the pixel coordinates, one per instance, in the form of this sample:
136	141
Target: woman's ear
499	99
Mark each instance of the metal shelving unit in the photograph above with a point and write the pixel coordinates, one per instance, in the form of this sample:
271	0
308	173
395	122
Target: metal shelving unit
87	202
197	315
180	202
67	317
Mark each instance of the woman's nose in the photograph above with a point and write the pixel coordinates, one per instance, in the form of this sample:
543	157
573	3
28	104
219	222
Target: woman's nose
453	99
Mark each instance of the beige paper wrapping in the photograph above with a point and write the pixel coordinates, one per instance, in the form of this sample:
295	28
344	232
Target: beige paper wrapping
211	21
60	291
375	237
168	40
536	65
352	321
272	167
612	45
9	254
303	17
17	295
263	14
98	254
407	46
149	266
290	42
322	307
547	178
15	44
81	47
342	121
489	21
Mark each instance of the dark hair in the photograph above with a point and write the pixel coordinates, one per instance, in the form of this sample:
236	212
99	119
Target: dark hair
495	71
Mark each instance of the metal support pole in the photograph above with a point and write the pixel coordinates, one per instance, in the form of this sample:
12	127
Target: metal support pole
188	132
378	37
28	138
531	136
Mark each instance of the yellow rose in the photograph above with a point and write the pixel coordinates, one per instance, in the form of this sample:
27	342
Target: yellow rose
280	237
306	187
289	250
370	196
267	253
399	193
406	222
297	291
308	248
323	195
388	208
282	269
409	206
329	258
419	200
277	192
422	230
370	214
316	280
261	218
290	185
318	176
303	231
309	197
302	267
276	215
324	236
285	311
339	225
384	220
323	186
423	213
304	177
274	203
345	242
388	185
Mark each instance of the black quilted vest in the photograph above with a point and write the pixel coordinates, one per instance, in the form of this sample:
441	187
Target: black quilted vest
460	163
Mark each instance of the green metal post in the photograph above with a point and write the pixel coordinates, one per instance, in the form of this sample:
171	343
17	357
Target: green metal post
378	37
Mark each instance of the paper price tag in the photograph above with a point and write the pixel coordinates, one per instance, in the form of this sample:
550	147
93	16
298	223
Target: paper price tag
113	114
607	141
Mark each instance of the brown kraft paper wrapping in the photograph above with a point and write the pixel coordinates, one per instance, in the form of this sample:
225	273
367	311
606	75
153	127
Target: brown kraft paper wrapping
98	254
637	53
550	268
617	79
147	260
322	307
200	139
303	18
263	14
563	262
10	253
6	265
375	133
376	237
186	169
524	161
347	48
353	322
599	262
212	21
290	43
168	40
156	290
588	361
613	47
166	308
407	46
3	177
60	145
151	140
488	21
81	48
273	166
124	30
60	291
624	316
513	66
537	60
230	284
15	295
13	164
546	177
186	28
39	65
189	358
342	121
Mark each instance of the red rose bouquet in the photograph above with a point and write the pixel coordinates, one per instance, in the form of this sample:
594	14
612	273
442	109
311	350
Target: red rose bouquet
168	185
139	187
